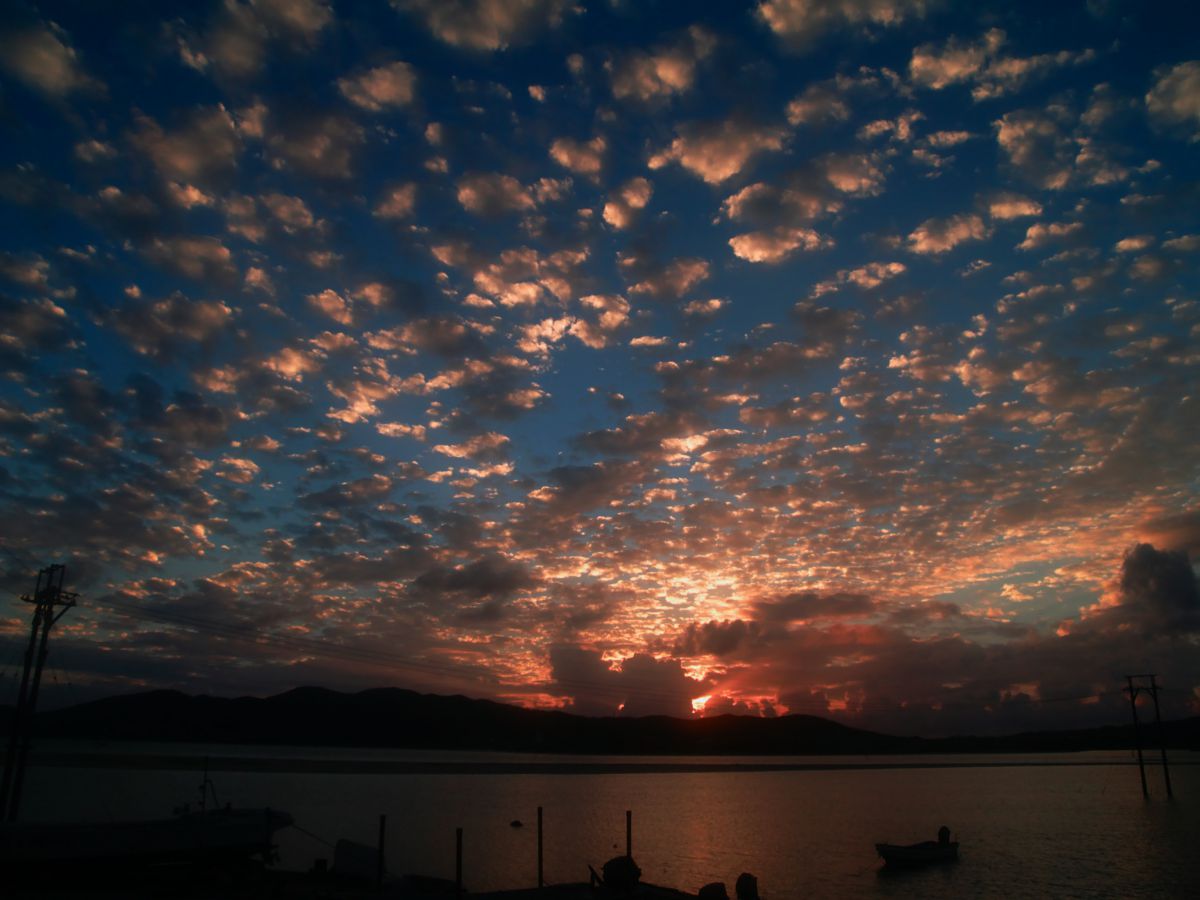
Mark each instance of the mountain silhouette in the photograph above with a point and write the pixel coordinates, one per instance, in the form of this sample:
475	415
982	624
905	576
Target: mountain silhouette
392	717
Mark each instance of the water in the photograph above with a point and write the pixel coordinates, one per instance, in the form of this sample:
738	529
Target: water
1024	831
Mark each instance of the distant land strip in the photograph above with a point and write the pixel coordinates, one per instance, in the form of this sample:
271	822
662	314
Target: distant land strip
424	767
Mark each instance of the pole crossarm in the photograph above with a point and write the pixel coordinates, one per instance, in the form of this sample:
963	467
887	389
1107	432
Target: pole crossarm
50	603
1152	689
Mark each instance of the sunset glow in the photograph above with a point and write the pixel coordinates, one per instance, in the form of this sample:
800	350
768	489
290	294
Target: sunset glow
833	358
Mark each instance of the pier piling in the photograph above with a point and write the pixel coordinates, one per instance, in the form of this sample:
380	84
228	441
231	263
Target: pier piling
380	864
629	833
458	884
540	882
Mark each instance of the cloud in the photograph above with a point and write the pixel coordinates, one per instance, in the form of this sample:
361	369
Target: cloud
641	434
625	202
1161	586
819	104
777	245
1043	233
158	328
236	41
298	18
486	24
899	129
671	279
980	62
203	150
865	277
581	157
42	57
198	257
28	327
347	495
717	151
332	304
669	70
603	315
251	329
523	277
1006	206
27	271
576	489
801	22
493	194
322	146
377	89
704	308
955	61
858	174
292	213
490	446
1040	145
641	686
490	576
443	335
1176	531
94	150
798	200
805	605
1174	99
397	202
716	638
936	236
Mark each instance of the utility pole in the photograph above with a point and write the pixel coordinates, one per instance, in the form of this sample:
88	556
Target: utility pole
1152	690
50	602
1162	741
1137	734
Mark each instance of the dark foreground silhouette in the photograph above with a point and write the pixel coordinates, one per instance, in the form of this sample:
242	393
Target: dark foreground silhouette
389	717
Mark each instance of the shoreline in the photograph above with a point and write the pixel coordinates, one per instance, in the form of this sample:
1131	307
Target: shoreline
185	762
254	883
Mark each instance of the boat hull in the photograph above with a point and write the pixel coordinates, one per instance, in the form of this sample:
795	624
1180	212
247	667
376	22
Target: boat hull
922	854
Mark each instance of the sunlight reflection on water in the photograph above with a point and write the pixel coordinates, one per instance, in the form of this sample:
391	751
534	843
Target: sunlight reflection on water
1024	831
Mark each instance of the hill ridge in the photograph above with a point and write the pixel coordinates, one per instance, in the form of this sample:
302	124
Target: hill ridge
401	718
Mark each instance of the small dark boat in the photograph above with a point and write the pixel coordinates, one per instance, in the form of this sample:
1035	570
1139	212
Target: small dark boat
924	853
920	854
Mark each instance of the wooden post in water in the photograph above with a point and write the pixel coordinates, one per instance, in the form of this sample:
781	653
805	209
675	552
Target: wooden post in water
379	864
458	887
629	833
541	882
1162	741
1137	734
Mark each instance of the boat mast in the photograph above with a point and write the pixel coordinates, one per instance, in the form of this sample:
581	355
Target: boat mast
50	602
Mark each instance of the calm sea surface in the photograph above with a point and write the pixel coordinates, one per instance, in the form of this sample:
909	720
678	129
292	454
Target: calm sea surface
1079	830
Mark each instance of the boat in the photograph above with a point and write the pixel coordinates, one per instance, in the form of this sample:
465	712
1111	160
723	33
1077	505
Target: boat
917	854
923	853
189	838
209	834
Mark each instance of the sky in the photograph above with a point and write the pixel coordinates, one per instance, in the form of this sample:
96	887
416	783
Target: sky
834	357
